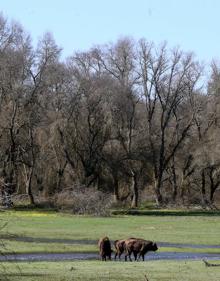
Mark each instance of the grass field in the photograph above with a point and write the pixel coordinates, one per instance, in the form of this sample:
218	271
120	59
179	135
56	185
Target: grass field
193	229
11	247
176	229
110	271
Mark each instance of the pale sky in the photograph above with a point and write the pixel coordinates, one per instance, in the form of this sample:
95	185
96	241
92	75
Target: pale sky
194	25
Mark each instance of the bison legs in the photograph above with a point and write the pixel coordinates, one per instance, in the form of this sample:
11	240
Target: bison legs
135	256
104	257
141	255
128	254
118	254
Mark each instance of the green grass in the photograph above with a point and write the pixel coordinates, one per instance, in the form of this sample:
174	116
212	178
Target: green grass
18	247
176	229
22	247
27	247
190	250
110	271
195	229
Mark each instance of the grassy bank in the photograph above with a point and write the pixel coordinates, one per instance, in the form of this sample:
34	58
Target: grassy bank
110	271
10	247
176	229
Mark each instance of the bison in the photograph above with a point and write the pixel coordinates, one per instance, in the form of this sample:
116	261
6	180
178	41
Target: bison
119	248
105	248
139	247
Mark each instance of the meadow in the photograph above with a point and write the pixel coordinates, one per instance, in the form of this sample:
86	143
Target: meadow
110	271
62	229
198	229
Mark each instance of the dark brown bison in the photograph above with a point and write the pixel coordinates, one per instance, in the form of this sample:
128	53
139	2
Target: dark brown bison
105	248
139	247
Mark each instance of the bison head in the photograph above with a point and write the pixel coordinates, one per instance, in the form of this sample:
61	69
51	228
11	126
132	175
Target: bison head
154	247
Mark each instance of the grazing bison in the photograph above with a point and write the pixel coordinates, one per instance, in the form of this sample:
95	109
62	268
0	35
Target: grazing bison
105	248
138	246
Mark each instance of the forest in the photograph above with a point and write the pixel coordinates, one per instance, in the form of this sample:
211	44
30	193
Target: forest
121	123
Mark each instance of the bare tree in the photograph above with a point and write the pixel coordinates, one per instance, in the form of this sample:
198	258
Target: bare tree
15	60
119	62
118	117
168	81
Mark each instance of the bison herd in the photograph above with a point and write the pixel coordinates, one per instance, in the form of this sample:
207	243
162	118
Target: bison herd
136	246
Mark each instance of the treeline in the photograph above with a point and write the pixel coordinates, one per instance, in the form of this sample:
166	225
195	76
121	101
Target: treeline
122	118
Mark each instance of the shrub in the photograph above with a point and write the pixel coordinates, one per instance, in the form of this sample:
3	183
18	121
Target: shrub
84	201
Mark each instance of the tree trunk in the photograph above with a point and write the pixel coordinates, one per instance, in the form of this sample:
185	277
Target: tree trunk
60	174
182	188
134	189
29	186
115	194
213	185
211	196
212	192
203	191
157	187
174	183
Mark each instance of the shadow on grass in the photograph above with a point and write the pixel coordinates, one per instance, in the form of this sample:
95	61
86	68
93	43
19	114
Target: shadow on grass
136	212
18	274
38	207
